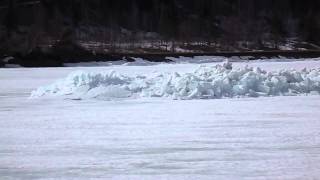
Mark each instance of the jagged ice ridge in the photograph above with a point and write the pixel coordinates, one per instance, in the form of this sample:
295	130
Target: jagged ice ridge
220	81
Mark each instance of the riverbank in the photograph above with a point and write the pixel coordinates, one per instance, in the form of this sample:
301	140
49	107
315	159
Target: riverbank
59	58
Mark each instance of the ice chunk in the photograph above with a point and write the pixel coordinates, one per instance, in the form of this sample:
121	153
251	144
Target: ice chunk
112	91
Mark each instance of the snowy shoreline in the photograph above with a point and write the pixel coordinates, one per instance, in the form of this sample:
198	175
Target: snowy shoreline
41	59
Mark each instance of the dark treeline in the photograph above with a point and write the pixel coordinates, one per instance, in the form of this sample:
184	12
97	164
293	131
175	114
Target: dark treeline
28	24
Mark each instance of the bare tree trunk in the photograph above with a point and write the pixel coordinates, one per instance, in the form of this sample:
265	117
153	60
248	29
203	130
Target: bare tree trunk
173	46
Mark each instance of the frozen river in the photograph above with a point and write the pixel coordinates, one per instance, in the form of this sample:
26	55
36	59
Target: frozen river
155	138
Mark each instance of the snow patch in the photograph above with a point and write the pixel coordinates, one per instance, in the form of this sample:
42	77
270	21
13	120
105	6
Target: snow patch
219	81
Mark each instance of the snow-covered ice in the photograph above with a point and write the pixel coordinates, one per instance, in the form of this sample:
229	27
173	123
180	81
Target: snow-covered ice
156	138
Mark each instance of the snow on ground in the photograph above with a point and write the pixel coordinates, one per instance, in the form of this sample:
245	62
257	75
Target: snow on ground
155	138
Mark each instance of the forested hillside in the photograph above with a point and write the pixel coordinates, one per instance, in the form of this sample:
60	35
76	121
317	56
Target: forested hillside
160	25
